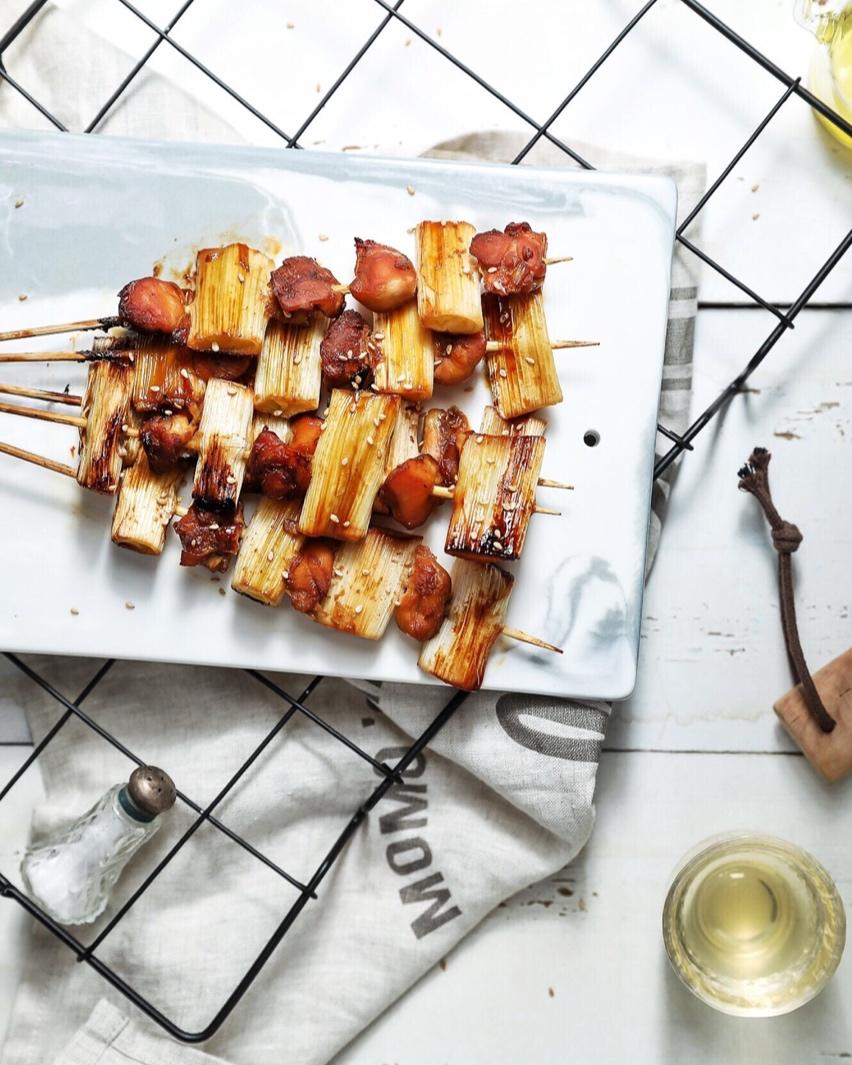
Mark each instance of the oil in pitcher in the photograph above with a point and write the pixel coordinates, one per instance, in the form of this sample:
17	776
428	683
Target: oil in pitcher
830	76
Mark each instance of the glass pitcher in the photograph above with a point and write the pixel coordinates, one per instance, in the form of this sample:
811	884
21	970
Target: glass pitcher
830	76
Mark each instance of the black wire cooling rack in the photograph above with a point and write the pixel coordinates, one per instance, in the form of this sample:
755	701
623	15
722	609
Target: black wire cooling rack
785	315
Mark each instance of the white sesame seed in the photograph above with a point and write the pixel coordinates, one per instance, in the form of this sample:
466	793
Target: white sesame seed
154	388
371	440
323	236
74	611
479	439
214	346
529	359
231	479
129	606
358	608
232	391
344	461
297	359
346	524
410	189
503	372
378	336
270	557
241	279
334	518
184	372
278	413
323	427
448	350
337	571
492	269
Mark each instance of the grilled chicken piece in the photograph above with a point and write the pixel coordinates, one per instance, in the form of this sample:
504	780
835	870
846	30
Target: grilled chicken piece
301	285
511	262
153	306
305	433
407	491
209	537
208	364
424	605
384	277
309	575
457	356
166	439
283	471
444	433
345	352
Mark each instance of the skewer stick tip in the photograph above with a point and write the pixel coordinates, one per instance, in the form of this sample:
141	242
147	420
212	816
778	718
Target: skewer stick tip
546	510
545	482
525	637
550	260
557	344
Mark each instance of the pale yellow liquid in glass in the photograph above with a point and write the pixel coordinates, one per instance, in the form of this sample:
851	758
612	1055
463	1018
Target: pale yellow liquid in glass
753	926
831	71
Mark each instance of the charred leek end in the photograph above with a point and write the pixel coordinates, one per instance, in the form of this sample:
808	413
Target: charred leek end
106	403
522	372
406	361
458	654
224	438
270	542
494	425
145	505
447	278
164	377
369	578
494	496
349	465
289	370
232	300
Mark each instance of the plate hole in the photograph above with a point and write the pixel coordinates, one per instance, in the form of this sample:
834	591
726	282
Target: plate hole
591	438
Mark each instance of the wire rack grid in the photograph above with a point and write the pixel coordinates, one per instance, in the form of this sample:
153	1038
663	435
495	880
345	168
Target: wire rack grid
784	315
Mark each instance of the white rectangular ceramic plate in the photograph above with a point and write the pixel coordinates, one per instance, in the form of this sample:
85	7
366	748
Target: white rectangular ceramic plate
97	212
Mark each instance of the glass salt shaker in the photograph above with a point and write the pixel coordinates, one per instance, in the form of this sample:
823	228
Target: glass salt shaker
72	875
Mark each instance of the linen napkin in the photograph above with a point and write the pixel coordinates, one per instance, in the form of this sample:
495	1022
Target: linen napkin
502	798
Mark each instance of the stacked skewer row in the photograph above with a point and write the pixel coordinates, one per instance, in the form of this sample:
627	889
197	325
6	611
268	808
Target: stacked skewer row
230	375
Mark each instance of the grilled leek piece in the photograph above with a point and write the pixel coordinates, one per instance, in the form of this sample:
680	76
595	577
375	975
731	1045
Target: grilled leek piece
493	425
232	300
269	543
447	277
405	362
164	376
348	466
145	505
279	426
404	442
106	402
458	654
369	579
289	369
494	496
224	438
522	372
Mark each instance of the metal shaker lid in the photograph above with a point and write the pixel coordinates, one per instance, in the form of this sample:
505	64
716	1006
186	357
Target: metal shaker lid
151	790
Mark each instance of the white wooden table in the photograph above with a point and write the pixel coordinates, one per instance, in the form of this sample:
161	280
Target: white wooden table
573	969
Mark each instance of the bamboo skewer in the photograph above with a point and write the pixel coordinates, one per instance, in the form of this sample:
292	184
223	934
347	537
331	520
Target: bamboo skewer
525	637
38	460
83	326
344	290
38	393
46	356
496	345
440	492
44	415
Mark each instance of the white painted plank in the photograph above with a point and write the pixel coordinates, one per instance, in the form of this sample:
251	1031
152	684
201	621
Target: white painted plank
15	814
712	659
600	949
